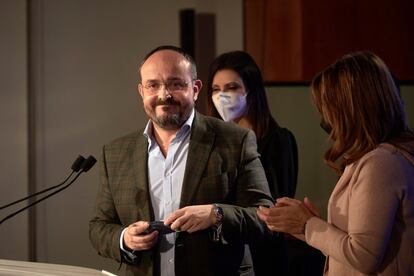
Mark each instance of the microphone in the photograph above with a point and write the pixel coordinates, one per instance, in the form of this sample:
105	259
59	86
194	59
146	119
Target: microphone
80	165
76	166
87	164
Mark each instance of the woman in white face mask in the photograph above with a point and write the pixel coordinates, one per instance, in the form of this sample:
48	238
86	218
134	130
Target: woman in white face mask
236	93
229	97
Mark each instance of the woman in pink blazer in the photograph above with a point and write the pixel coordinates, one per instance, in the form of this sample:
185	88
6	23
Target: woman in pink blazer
370	224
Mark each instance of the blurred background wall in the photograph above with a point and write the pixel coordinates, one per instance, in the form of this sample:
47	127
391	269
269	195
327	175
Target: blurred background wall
68	76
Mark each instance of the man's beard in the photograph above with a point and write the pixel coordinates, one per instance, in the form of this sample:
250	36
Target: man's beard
170	121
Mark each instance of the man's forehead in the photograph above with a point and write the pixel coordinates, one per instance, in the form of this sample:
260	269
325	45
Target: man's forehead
166	62
167	57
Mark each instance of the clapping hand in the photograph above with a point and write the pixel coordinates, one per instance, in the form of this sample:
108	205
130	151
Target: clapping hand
288	215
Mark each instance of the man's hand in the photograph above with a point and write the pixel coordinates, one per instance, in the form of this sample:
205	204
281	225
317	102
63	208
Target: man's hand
136	240
191	218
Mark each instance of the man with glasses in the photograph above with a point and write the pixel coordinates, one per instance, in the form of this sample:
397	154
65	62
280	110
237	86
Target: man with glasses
179	197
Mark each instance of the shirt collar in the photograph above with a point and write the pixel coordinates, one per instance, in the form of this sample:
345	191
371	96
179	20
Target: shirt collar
184	130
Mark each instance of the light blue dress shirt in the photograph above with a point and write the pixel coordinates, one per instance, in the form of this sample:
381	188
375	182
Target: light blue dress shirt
165	178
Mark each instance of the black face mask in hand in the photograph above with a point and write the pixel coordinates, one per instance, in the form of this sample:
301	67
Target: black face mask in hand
326	126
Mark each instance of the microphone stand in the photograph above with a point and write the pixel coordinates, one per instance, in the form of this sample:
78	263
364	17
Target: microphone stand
37	193
76	166
81	164
39	200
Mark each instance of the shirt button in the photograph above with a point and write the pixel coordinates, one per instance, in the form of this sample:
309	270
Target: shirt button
171	261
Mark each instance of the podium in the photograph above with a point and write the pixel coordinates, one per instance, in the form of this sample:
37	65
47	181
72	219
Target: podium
20	268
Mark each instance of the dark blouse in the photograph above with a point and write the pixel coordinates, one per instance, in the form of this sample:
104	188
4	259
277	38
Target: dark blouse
282	255
279	156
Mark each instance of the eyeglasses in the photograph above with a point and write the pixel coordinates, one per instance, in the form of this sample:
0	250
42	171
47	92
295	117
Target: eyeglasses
173	86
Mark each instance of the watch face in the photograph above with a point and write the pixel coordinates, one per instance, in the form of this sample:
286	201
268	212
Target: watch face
218	212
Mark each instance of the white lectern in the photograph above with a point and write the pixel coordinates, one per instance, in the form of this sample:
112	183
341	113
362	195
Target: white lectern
20	268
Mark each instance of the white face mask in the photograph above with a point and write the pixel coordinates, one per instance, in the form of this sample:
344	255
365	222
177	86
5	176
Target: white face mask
229	105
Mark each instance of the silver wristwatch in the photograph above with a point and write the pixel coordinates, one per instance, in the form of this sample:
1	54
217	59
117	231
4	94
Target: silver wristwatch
218	214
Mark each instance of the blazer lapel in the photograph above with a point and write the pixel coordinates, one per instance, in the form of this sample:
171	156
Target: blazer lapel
201	142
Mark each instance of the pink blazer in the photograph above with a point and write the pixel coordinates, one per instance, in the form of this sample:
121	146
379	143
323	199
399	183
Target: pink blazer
370	228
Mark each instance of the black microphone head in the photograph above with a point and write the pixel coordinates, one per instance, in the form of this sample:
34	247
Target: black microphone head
76	166
88	163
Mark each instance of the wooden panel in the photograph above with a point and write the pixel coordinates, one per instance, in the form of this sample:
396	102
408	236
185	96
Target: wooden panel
294	39
273	37
283	47
254	28
388	30
328	33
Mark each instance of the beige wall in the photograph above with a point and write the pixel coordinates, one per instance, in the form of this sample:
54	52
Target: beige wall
292	108
85	75
86	60
13	125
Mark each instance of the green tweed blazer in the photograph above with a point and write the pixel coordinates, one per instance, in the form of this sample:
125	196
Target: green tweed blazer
222	167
